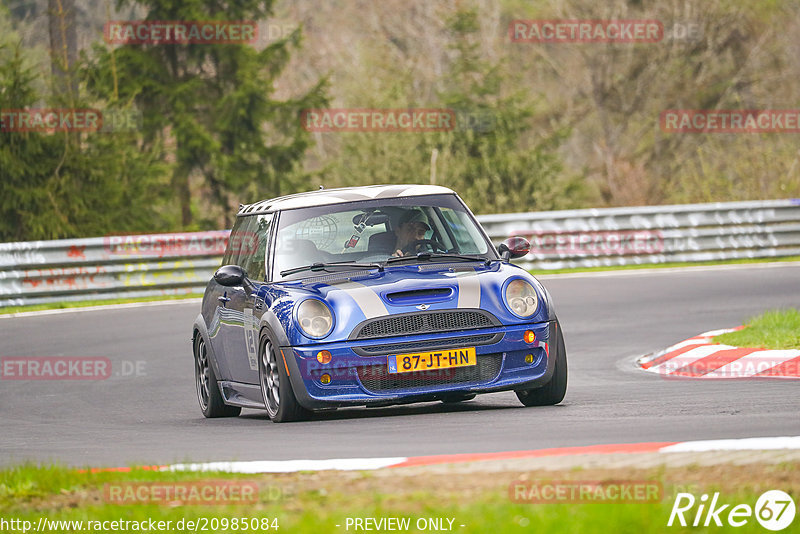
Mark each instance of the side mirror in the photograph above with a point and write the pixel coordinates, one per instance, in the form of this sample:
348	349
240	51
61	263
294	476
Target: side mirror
233	275
514	247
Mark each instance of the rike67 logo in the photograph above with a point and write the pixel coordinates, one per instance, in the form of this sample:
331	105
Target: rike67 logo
774	510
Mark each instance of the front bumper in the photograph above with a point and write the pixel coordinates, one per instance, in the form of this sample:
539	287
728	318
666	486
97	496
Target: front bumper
359	376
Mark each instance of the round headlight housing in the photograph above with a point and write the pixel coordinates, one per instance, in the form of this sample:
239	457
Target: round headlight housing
521	298
315	318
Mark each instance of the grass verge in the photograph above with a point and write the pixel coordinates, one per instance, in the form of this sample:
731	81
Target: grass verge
661	265
777	329
322	502
87	303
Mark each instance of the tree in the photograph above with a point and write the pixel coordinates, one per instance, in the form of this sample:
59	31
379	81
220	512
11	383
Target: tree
63	46
70	184
212	106
495	156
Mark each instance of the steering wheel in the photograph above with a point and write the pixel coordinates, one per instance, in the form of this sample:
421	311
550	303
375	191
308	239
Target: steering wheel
414	245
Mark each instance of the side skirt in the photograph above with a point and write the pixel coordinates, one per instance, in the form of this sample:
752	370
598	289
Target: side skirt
243	395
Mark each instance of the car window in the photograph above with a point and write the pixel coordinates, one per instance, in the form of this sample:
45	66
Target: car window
372	231
467	238
335	233
335	236
255	253
247	245
231	255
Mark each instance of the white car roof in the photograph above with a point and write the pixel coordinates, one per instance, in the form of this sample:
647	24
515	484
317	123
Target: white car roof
337	196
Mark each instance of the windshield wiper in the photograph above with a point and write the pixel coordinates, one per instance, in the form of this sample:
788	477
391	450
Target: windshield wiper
427	256
337	264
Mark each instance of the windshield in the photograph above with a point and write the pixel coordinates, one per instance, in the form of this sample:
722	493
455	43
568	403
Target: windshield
376	230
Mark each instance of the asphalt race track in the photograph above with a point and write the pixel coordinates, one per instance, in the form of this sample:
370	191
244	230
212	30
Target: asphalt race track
608	320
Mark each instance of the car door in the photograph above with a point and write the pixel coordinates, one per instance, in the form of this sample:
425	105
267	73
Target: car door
239	313
216	311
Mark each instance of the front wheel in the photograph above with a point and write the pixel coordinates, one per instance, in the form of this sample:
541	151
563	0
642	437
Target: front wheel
553	391
208	394
279	399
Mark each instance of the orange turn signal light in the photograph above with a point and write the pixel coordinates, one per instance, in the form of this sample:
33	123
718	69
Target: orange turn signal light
324	356
325	379
530	336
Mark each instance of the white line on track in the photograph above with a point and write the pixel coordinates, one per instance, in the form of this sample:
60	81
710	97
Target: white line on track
669	270
104	307
291	466
365	464
743	444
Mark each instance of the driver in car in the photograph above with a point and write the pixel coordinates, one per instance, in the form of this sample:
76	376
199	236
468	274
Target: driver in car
413	226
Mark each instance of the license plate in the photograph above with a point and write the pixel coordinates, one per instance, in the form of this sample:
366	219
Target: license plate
428	361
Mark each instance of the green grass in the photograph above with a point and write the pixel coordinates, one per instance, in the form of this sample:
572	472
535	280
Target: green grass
317	502
778	329
86	303
662	265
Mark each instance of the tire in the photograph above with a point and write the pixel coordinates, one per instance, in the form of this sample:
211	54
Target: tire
554	390
208	394
276	389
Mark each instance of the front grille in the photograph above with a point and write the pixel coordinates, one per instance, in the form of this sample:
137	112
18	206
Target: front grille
424	323
400	348
376	379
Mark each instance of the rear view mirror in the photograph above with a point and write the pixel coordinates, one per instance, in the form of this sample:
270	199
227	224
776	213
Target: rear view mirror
230	275
371	219
514	247
234	276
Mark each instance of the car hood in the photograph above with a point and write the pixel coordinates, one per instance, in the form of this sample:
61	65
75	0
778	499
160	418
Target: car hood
357	297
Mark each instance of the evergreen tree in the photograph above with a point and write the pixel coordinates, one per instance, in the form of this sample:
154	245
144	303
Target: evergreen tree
212	105
71	184
494	157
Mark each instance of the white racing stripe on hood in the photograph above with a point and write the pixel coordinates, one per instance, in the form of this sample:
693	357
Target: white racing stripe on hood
367	300
469	289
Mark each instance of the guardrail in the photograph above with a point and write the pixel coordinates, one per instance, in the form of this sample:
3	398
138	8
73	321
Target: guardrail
37	272
174	264
653	234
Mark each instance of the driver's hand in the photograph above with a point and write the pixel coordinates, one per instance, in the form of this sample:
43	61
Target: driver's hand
397	253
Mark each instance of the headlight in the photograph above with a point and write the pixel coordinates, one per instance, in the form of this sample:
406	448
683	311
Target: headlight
521	298
315	318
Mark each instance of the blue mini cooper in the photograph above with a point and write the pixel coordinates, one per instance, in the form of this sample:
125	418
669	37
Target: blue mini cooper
371	296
